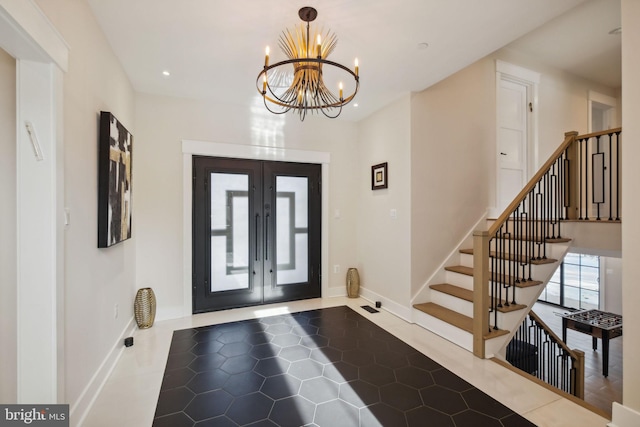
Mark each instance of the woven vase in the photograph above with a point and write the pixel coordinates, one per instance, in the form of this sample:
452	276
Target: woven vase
144	308
353	283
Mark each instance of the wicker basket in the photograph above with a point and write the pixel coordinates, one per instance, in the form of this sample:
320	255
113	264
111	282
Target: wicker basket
144	308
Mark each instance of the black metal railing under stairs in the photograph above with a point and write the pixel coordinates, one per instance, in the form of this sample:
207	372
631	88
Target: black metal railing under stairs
580	181
536	350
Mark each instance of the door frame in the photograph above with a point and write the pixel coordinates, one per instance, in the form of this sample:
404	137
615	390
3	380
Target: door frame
531	80
252	152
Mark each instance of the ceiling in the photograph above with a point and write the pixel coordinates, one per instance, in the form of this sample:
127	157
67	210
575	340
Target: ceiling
214	49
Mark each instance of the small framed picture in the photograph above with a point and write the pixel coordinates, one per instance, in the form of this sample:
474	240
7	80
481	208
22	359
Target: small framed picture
379	176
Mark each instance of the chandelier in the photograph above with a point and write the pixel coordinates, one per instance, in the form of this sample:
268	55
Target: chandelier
297	83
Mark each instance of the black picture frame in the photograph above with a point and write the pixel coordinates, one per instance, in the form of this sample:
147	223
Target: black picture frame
379	176
114	181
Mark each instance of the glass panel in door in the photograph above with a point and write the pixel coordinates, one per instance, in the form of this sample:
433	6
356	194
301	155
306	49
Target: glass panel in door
292	230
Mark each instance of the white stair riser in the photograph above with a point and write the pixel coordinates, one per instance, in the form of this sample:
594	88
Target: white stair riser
452	303
461	280
445	330
466	260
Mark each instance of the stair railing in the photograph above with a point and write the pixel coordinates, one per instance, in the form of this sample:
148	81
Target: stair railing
537	350
504	254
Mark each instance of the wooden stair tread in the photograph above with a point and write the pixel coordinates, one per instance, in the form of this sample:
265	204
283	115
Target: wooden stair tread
454	318
493	254
468	271
467	295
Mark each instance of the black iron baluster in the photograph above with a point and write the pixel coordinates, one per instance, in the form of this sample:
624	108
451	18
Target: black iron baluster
617	176
610	179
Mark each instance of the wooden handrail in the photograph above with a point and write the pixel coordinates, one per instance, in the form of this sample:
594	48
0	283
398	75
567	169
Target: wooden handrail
569	137
600	133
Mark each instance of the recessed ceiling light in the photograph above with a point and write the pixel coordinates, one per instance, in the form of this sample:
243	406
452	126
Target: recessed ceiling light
616	31
166	73
423	46
355	105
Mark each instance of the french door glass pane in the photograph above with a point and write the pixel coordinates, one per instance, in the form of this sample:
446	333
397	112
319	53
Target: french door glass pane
229	231
292	230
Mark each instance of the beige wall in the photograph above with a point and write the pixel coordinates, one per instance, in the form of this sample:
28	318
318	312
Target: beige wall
384	243
452	163
95	279
631	206
8	327
162	123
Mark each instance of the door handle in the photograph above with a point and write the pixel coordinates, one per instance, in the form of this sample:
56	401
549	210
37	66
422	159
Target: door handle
256	233
266	237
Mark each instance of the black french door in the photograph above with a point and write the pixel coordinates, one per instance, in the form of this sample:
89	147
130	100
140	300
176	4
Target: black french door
256	232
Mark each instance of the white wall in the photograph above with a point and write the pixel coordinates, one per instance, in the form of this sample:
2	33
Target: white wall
611	282
8	328
162	123
384	243
631	206
95	279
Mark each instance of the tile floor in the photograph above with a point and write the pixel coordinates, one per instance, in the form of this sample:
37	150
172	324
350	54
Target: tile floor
130	395
328	367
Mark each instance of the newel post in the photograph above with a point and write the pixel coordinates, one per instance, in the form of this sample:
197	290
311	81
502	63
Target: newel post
572	177
480	291
580	373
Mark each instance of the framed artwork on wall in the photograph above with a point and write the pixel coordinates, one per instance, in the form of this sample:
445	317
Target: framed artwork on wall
114	181
379	176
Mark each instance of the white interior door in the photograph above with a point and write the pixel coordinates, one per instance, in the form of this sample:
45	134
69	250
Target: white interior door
512	141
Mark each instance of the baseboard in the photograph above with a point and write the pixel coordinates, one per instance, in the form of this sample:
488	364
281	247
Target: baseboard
624	416
80	408
337	291
391	306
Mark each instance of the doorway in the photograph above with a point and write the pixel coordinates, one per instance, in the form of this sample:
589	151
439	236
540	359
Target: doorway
256	232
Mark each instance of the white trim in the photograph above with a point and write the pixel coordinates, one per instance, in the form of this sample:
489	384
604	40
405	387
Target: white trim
521	73
391	306
602	99
26	33
624	416
254	152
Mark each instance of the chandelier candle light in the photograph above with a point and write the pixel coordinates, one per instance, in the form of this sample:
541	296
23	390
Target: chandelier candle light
302	88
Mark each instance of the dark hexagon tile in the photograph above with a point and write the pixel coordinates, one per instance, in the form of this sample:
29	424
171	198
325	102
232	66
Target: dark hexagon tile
401	347
515	420
359	393
264	351
235	365
234	349
181	345
244	383
357	357
377	375
286	340
485	404
258	338
272	320
293	353
304	330
208	381
292	412
176	378
340	372
271	367
179	360
450	380
381	415
279	329
443	400
337	413
232	336
250	408
174	400
314	341
330	332
414	377
305	369
262	423
174	420
208	405
371	345
400	396
280	386
342	343
221	421
319	390
472	418
207	362
181	334
206	347
207	335
390	359
420	416
326	355
421	361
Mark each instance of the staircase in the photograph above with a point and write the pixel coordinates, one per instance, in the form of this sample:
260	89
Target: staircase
489	283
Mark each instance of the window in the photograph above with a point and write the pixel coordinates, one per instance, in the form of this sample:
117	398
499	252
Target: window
576	283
